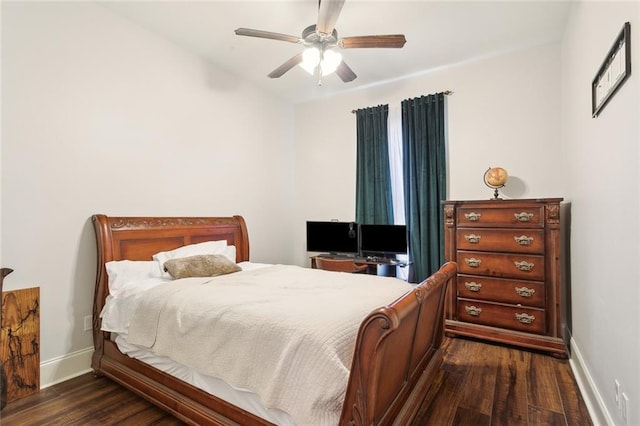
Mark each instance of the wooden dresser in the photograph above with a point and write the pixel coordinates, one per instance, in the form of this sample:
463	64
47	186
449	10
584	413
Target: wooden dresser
509	283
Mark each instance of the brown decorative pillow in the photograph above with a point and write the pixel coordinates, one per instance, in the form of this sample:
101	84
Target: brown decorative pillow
204	265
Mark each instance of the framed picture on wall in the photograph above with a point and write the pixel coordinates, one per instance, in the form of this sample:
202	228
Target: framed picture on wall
615	69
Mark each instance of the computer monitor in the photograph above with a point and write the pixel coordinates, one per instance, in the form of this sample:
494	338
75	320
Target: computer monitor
332	237
383	240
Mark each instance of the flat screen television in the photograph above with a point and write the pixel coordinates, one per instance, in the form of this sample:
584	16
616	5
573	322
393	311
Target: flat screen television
332	237
383	239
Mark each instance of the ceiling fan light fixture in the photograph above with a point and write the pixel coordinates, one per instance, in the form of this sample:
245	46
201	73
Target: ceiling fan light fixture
310	59
330	62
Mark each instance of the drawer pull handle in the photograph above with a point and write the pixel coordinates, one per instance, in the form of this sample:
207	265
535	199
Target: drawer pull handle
524	266
472	310
525	292
472	217
472	262
473	286
473	238
523	217
523	240
525	319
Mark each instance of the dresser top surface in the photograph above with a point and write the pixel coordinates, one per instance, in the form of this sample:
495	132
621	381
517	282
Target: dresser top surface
498	202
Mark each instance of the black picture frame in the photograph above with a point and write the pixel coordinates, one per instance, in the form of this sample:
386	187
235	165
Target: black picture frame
615	70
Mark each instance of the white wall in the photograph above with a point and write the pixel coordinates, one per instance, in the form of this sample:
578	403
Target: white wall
100	116
504	112
602	156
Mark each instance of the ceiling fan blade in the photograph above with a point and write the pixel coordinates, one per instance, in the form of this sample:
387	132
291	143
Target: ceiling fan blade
328	12
278	72
345	73
266	34
389	40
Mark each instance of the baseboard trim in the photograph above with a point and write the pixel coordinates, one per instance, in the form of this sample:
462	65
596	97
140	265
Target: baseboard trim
592	398
66	367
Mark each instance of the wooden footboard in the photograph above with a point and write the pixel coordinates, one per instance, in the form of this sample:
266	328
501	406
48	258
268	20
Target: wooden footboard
397	351
397	355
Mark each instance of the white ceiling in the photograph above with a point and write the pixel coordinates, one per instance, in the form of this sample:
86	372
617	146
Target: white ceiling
438	33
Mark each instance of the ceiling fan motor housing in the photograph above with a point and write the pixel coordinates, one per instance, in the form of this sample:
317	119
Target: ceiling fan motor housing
312	37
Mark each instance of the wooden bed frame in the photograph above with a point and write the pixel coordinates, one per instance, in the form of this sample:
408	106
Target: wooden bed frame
397	351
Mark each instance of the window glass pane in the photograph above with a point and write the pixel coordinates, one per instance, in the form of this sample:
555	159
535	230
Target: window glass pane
394	130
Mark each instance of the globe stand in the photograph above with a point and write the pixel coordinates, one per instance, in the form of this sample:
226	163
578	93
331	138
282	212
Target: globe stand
495	192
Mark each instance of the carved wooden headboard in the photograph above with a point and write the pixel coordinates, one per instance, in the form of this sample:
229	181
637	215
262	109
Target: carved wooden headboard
139	238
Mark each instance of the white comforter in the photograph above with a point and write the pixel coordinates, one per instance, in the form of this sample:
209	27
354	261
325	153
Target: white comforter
284	332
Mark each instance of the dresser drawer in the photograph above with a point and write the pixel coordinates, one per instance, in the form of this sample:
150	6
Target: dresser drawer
526	293
529	320
511	216
518	266
507	240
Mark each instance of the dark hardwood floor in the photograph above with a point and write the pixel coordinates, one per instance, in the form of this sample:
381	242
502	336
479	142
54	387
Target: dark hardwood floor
479	384
485	384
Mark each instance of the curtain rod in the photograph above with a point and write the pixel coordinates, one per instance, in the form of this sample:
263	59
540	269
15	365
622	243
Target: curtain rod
446	92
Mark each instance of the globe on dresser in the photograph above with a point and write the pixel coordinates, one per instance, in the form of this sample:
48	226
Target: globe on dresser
495	177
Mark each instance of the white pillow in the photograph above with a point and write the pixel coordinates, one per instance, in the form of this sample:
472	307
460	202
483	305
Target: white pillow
208	247
230	252
122	272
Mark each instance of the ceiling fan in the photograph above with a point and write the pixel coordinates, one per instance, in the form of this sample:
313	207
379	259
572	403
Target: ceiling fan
320	39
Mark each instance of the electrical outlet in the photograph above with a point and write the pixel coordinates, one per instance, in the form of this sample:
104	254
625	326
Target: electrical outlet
617	385
88	323
625	408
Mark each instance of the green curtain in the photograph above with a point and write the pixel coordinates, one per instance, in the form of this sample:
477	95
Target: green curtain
373	178
424	174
